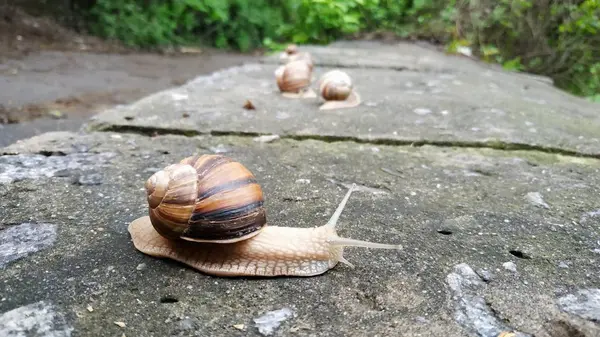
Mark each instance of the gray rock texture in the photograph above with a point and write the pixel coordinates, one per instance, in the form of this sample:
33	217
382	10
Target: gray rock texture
461	206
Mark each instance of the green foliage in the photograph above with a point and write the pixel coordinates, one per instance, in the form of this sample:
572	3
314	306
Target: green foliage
559	39
239	24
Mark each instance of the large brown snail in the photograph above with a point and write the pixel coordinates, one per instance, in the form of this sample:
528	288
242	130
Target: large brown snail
337	89
207	212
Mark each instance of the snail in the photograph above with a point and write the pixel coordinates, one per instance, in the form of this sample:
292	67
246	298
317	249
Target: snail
207	212
294	78
291	54
337	89
290	50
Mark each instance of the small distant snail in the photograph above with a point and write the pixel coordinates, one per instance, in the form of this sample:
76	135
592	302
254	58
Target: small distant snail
294	78
291	54
207	212
336	88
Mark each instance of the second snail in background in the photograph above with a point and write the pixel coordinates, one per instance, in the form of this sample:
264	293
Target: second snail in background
294	79
337	89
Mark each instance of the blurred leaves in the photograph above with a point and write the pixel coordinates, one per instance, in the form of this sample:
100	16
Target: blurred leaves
559	39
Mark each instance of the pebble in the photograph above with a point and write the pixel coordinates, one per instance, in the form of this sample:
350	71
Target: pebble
511	266
19	241
562	264
485	275
37	319
584	303
422	111
141	266
472	312
89	179
270	321
266	138
536	199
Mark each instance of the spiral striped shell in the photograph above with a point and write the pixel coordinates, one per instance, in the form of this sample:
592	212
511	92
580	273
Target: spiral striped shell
335	85
206	198
294	76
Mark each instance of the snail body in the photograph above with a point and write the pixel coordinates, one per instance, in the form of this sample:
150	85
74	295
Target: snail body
243	244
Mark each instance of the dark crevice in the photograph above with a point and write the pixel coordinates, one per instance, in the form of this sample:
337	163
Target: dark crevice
496	145
52	153
168	299
519	254
445	232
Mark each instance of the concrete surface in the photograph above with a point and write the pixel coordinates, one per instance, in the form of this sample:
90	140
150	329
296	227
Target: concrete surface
496	238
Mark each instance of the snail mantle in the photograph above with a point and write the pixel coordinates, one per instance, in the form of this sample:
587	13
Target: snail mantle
207	212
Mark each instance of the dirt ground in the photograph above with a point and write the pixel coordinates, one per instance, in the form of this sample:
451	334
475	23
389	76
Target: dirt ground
53	78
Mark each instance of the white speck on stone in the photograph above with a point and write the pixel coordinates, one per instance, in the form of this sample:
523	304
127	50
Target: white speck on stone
584	303
179	97
371	104
303	181
536	199
563	265
116	136
511	266
282	115
444	112
271	320
141	266
219	149
19	241
375	149
422	111
37	319
265	138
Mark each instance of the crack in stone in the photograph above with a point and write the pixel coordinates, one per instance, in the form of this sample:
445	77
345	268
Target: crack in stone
472	312
495	144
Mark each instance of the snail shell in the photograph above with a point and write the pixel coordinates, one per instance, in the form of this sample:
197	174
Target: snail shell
304	56
293	76
291	49
207	198
335	85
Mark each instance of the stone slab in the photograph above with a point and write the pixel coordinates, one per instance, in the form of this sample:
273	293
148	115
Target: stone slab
490	108
480	254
